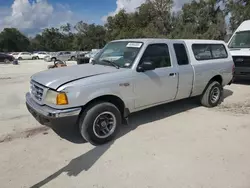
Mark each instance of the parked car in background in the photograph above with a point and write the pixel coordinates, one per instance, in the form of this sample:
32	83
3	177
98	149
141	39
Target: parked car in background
146	73
49	56
40	55
63	56
6	58
92	54
11	53
239	46
82	59
23	55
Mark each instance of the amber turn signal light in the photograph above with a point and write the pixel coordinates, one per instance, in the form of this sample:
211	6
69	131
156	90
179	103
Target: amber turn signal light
61	99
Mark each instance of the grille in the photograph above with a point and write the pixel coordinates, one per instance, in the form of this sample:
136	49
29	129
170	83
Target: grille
241	61
37	91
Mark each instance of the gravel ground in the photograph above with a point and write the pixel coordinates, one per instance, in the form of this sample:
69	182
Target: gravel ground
177	145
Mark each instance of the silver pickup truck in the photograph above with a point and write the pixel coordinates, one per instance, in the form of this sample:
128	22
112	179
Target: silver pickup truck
128	76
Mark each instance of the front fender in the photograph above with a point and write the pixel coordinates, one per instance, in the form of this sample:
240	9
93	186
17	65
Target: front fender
91	93
103	92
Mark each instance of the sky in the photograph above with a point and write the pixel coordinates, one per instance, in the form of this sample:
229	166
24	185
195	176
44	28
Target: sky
31	16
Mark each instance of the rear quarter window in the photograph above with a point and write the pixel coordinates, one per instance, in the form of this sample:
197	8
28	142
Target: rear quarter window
209	51
181	54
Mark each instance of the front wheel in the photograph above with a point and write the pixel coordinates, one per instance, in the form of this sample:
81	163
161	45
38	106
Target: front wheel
212	95
99	123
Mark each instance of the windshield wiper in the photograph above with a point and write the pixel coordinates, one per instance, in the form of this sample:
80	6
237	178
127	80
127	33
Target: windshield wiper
111	63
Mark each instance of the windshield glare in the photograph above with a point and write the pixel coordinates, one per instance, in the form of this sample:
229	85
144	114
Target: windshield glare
240	40
122	53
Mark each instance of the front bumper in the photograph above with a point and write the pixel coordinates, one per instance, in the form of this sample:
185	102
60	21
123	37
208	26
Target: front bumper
50	116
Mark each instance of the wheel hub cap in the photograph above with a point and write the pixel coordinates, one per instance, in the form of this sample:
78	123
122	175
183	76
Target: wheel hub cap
104	125
215	95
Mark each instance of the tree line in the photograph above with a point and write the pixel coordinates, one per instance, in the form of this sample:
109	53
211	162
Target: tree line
203	19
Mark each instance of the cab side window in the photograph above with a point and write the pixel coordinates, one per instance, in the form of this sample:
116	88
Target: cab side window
157	54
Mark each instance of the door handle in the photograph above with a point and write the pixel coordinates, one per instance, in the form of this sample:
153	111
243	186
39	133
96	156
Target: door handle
172	74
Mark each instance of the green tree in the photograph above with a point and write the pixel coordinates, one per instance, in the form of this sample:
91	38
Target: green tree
152	19
12	39
202	20
239	10
51	39
89	36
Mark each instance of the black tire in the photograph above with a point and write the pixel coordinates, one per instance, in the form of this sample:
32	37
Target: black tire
53	59
88	118
73	58
20	58
207	99
6	61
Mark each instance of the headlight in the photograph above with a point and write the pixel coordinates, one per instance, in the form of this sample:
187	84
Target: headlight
57	98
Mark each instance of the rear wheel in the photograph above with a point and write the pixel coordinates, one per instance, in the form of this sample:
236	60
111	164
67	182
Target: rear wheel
99	123
6	61
73	58
212	95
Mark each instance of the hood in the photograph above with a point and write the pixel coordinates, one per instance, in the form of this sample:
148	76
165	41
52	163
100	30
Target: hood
240	51
54	78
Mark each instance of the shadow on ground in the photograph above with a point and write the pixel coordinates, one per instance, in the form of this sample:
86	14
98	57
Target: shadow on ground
85	161
226	93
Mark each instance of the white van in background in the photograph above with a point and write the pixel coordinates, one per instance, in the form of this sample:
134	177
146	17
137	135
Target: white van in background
239	46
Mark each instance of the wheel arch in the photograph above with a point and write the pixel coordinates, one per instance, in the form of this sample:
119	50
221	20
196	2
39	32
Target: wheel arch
113	99
217	78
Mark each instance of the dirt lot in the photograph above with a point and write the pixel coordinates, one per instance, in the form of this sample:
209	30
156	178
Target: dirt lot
178	145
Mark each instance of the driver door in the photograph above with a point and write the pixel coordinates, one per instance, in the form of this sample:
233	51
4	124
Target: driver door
159	85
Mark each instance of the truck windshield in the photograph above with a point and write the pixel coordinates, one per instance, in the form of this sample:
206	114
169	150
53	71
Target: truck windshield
122	53
240	40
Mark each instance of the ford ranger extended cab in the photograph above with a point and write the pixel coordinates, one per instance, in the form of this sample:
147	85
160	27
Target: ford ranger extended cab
128	76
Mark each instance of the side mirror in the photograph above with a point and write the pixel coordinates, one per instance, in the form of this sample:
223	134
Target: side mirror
146	66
